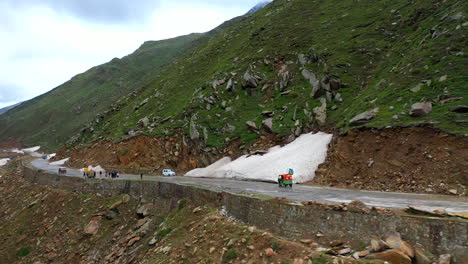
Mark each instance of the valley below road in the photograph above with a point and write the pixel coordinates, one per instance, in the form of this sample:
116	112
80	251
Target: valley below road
298	193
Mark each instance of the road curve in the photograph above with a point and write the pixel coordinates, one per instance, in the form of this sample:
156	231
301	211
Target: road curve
301	192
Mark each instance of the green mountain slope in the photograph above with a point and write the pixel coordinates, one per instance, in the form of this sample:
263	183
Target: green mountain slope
299	61
305	64
50	119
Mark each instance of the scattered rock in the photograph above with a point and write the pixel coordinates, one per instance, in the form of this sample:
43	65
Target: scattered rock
285	93
459	108
418	210
443	78
251	81
268	125
344	251
116	234
393	256
144	210
251	125
306	241
93	226
457	16
420	109
144	122
310	76
394	241
363	118
378	245
302	59
111	214
321	111
251	229
453	191
444	259
268	113
336	243
153	241
194	134
230	87
417	88
358	207
421	258
197	210
269	252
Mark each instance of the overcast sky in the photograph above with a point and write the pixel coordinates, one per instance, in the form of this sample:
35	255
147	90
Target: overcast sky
43	43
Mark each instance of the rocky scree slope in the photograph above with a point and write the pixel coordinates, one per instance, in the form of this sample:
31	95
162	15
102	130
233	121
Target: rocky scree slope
297	66
50	119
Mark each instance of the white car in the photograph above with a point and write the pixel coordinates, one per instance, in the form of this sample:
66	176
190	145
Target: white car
168	172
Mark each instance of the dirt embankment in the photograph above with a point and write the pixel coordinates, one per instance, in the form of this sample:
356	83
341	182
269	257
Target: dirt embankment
419	159
149	154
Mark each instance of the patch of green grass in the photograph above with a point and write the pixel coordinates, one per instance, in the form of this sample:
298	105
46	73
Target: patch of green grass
321	259
24	251
164	232
274	243
231	254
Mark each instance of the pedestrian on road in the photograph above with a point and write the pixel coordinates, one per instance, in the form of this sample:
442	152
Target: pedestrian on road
141	176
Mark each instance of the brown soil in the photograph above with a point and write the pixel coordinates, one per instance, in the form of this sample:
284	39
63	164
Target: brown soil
147	154
419	159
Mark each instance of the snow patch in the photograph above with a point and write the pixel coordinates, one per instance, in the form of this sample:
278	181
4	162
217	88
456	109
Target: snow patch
17	151
49	156
33	149
59	162
3	162
303	155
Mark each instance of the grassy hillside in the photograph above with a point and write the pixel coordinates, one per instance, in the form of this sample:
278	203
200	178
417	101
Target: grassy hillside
305	64
364	55
49	119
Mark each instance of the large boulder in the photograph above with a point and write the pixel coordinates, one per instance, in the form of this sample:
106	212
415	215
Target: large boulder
250	81
144	122
363	118
194	134
420	109
251	125
93	226
393	240
393	256
310	76
321	111
268	125
144	210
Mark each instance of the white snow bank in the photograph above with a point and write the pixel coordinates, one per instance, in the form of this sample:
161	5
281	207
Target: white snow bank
59	162
96	169
3	162
303	155
33	149
210	170
49	156
17	151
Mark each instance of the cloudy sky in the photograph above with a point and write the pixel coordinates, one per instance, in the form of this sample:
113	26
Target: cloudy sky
44	43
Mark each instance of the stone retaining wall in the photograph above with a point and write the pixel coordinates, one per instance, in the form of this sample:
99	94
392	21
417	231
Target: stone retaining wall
438	235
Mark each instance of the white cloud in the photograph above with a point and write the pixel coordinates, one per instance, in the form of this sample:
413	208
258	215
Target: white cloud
43	46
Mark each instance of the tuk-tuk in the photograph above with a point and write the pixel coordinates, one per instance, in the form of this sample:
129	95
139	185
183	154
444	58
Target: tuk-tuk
285	180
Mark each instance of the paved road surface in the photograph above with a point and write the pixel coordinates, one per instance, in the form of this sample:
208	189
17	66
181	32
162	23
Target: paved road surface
302	192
